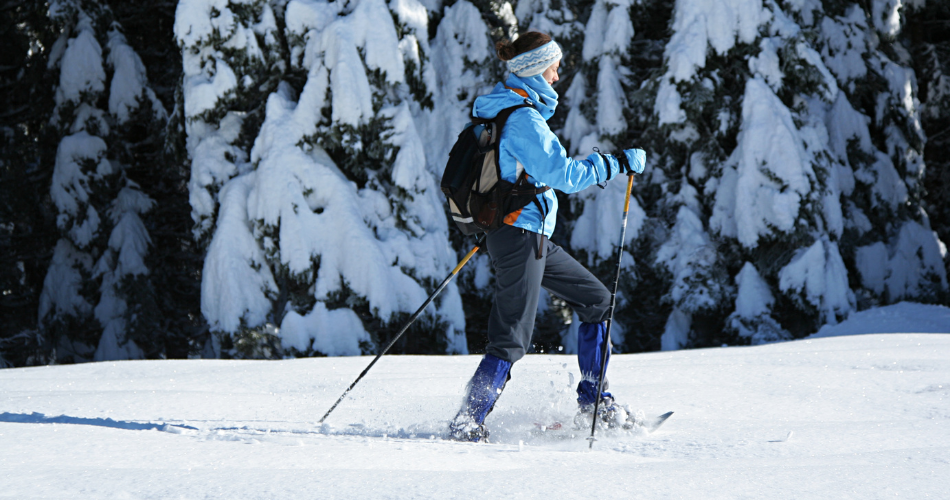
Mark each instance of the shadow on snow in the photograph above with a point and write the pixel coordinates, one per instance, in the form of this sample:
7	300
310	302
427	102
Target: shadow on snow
39	418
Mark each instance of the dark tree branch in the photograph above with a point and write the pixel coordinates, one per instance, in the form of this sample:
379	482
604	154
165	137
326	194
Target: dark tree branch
12	5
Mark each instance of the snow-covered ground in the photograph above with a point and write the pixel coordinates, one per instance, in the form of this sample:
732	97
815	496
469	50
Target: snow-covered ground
859	416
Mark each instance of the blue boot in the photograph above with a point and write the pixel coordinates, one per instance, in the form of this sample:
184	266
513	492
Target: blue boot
590	345
483	390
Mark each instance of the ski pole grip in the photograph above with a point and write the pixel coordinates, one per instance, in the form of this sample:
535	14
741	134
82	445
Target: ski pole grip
468	256
465	260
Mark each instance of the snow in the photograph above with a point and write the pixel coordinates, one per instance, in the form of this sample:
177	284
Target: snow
845	123
210	84
772	171
871	261
129	238
766	63
818	273
915	260
752	318
337	332
304	15
610	98
338	46
844	43
461	36
690	257
411	13
63	282
373	29
577	129
886	16
886	183
607	31
813	58
676	331
81	70
203	92
900	317
861	416
754	297
129	82
236	278
213	158
903	85
552	17
597	228
352	99
668	103
699	24
125	256
194	24
71	185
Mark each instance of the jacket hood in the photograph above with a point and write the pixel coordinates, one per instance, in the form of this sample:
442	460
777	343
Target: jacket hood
540	95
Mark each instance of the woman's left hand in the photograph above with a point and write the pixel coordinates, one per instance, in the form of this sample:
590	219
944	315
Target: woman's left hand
636	161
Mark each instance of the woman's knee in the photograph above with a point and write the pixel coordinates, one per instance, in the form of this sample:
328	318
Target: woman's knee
599	304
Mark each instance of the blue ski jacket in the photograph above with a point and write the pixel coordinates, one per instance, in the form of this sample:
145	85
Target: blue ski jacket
528	145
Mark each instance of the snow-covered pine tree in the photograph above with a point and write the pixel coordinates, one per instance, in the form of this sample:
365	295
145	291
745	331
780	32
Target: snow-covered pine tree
174	259
499	15
563	20
596	101
559	18
640	28
27	222
741	178
462	66
926	34
876	132
232	60
97	302
338	233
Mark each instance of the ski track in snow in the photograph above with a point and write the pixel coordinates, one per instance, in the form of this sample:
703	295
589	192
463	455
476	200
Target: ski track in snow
863	416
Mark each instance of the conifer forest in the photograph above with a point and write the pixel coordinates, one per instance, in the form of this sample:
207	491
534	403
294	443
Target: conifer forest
260	178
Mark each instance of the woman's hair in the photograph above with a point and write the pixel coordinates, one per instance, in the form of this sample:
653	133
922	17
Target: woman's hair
530	40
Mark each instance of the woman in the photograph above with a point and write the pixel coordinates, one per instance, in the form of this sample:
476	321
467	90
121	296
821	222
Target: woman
523	258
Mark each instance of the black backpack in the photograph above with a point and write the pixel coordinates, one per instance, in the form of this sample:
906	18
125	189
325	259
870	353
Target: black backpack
479	199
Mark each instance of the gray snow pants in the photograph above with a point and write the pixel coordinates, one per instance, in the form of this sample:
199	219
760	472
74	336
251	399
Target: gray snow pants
519	276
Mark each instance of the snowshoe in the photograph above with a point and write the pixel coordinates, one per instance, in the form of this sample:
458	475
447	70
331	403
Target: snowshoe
465	428
610	415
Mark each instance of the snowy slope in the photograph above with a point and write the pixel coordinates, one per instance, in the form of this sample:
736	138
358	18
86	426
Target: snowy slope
900	317
865	416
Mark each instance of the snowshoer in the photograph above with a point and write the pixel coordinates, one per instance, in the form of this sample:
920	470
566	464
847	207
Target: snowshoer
523	258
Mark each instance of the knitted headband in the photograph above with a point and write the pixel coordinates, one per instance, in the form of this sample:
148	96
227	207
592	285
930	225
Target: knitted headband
534	62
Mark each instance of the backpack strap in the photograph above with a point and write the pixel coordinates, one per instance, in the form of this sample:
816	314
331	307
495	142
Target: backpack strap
503	115
500	119
522	186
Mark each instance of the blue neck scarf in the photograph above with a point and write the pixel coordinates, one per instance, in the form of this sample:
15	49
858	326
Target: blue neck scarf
542	95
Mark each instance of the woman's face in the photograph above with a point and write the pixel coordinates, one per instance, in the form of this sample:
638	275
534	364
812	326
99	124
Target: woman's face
550	74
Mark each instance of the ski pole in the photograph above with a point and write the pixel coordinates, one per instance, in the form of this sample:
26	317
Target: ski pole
414	316
610	314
